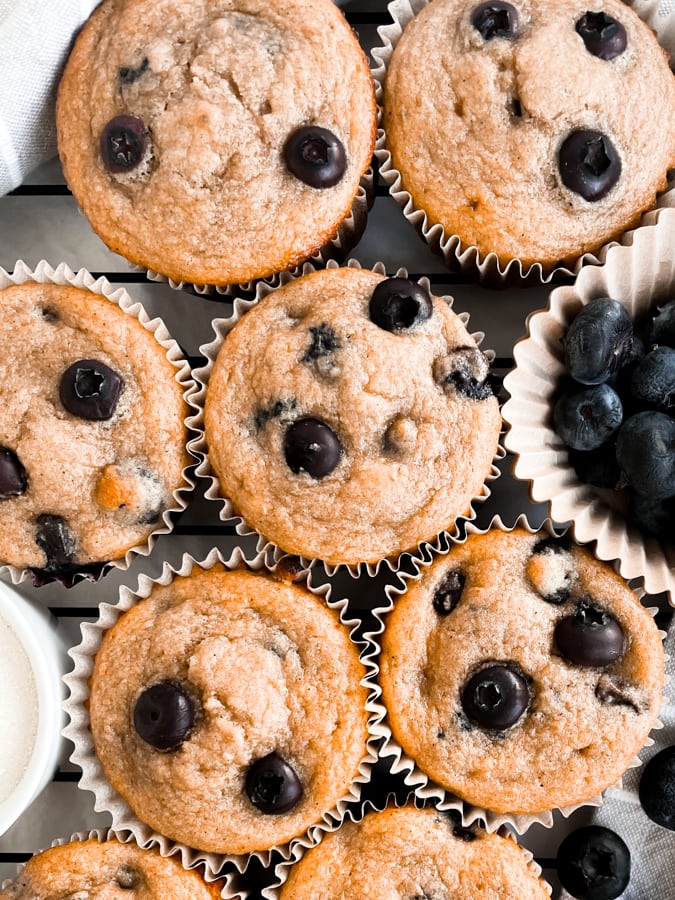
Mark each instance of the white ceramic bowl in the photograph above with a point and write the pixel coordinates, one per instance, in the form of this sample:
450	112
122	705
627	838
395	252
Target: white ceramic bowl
45	654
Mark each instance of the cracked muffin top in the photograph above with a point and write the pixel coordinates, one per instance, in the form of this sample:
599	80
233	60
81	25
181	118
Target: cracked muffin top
521	673
228	710
536	129
92	433
413	854
216	142
349	416
107	870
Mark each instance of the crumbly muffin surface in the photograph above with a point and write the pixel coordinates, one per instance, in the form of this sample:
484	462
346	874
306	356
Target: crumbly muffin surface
414	452
93	489
271	670
413	853
475	126
219	87
107	870
583	723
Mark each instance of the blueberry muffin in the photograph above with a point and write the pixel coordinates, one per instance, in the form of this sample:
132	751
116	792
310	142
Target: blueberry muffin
518	155
226	147
349	416
227	709
107	870
413	853
521	673
92	434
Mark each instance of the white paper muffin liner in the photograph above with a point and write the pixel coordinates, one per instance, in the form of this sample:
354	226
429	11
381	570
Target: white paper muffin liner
403	764
166	848
337	248
222	328
78	730
458	256
44	273
437	801
641	275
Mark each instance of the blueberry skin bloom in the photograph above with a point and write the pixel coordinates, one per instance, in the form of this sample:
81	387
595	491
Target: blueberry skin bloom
645	451
598	340
587	418
653	379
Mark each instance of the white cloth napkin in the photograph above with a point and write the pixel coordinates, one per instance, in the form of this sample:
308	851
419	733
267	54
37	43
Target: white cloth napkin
652	847
35	37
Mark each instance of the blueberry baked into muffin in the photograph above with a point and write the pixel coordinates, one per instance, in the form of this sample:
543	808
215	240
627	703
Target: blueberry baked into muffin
92	433
537	130
349	416
228	710
521	673
224	146
107	870
413	853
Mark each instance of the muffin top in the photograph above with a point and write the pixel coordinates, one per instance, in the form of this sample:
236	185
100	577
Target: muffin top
173	123
536	129
92	435
107	870
413	853
227	709
521	673
348	416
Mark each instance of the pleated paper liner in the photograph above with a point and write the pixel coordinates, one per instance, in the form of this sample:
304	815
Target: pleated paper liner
404	765
228	513
458	256
641	276
44	273
78	730
434	800
165	848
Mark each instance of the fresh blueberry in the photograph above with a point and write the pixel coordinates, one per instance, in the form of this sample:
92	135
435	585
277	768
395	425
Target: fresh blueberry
13	478
164	715
645	451
398	304
657	788
496	697
588	417
603	36
589	164
598	341
449	592
591	637
90	389
653	379
272	785
594	863
495	20
316	156
311	446
655	517
597	467
124	141
661	328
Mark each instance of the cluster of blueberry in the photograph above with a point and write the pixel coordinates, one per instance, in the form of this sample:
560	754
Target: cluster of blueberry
616	411
594	862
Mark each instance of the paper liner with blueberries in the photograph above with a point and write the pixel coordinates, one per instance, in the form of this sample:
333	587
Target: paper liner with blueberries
457	255
44	273
165	848
283	869
640	275
78	730
407	766
229	513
